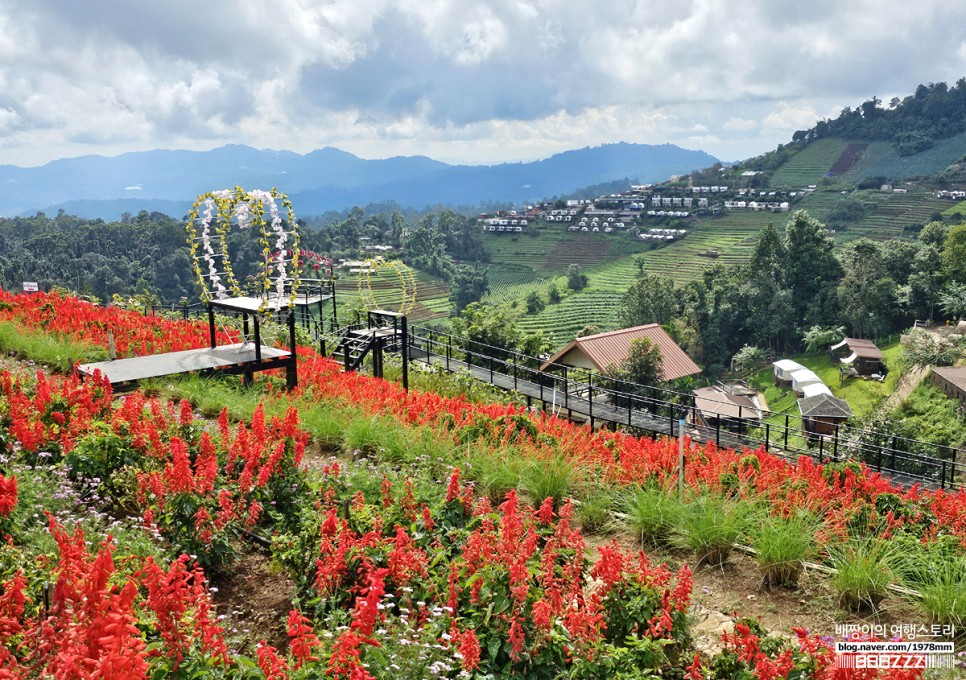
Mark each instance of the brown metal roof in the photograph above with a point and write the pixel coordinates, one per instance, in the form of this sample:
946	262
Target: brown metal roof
607	349
954	374
864	348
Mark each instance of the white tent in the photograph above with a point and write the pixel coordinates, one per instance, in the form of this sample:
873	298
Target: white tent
814	389
804	377
784	369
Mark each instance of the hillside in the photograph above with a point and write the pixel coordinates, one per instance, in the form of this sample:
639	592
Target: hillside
421	528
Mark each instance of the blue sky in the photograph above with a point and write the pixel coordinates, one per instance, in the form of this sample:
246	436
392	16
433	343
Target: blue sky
474	82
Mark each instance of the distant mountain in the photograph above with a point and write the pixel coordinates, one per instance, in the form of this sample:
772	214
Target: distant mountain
326	179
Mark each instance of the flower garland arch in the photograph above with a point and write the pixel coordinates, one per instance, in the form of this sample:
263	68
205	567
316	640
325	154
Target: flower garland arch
278	237
407	283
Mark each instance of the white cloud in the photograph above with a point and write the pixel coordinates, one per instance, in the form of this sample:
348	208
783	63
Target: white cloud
459	80
788	116
740	125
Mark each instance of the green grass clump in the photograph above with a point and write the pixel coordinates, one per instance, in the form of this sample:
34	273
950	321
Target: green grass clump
938	572
710	525
495	473
210	394
376	437
595	514
48	350
549	478
782	544
652	514
864	570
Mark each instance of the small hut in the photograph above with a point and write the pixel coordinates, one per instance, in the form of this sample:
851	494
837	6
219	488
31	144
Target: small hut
732	409
951	380
784	369
823	414
861	355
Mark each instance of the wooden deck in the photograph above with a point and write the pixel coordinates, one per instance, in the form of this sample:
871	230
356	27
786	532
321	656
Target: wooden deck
225	357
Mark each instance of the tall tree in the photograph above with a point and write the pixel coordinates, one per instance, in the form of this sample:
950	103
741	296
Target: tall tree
954	253
469	284
811	271
651	299
867	292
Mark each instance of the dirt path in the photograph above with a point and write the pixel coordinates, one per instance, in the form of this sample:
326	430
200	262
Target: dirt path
907	383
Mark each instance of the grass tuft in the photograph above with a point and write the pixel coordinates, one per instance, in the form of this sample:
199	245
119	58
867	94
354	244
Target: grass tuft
782	545
865	569
652	515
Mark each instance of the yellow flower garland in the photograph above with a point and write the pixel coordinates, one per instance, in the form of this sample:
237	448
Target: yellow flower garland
407	283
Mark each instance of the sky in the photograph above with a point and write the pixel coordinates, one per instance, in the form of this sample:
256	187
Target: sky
477	82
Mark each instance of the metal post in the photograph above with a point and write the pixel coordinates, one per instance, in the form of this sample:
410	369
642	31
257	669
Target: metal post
786	432
835	444
717	431
681	460
952	471
335	316
821	448
590	397
942	476
211	325
291	370
258	341
566	389
514	372
767	432
405	353
449	348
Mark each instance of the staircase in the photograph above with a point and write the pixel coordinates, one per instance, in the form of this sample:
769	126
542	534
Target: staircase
352	348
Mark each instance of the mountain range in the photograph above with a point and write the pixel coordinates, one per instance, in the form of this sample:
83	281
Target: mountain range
322	180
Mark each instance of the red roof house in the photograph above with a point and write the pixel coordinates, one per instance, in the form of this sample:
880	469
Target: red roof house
598	352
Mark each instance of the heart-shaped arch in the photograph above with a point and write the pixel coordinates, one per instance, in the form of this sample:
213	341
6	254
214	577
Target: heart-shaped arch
407	283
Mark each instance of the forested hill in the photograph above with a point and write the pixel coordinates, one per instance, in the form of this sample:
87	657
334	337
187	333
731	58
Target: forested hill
913	124
323	180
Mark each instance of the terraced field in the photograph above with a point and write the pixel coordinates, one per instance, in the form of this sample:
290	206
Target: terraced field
432	295
732	236
882	160
573	313
896	212
955	208
819	203
809	165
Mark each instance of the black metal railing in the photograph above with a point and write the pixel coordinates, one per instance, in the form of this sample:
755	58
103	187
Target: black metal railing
657	410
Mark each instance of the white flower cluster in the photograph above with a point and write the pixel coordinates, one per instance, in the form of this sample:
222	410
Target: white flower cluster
281	241
209	252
